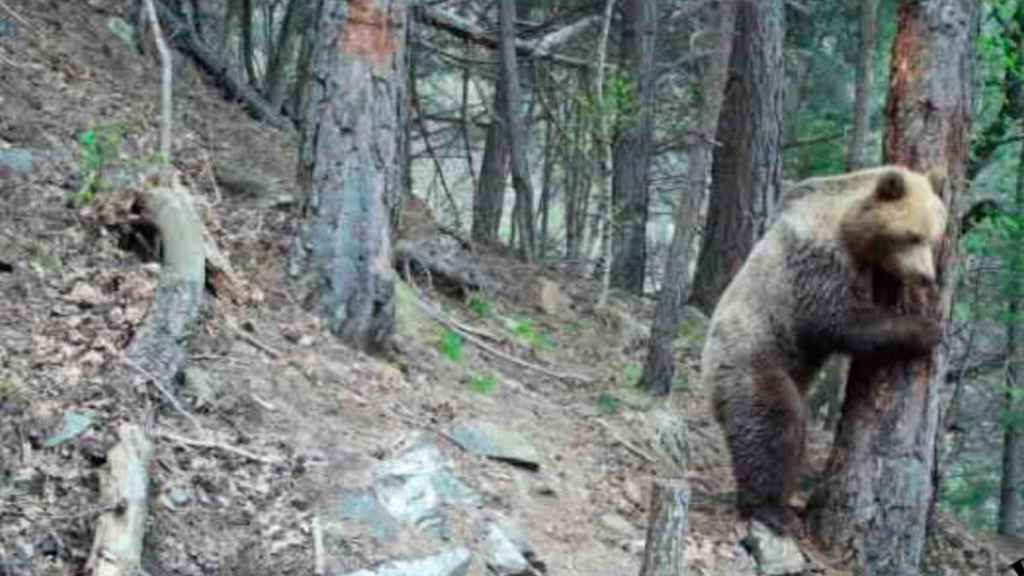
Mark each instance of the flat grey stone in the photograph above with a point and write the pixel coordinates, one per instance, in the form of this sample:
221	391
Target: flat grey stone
617	524
362	507
504	557
775	555
16	160
123	30
454	562
73	425
487	439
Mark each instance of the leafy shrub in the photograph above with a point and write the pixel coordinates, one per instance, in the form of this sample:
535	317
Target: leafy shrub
451	345
483	384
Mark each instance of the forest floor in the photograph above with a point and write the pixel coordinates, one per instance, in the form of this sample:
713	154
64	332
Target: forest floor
299	431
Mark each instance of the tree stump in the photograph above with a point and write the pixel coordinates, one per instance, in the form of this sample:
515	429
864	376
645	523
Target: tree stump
665	548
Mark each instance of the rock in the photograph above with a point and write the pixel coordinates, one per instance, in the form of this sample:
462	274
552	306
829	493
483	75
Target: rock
775	555
503	556
617	524
454	562
414	486
362	507
123	30
73	425
15	161
200	386
547	296
487	439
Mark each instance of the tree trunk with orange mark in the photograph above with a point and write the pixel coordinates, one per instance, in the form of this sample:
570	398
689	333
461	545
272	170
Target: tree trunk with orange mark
876	498
353	162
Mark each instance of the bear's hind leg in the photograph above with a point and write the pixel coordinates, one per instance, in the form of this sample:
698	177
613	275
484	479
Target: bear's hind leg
765	433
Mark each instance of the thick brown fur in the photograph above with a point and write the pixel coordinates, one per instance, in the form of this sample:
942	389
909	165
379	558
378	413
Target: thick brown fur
801	296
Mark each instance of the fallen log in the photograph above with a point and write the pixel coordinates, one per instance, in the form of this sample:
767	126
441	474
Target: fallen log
117	545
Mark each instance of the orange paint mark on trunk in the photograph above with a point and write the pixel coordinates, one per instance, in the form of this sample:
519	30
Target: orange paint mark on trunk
368	33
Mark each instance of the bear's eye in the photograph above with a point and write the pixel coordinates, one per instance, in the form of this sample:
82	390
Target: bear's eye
912	238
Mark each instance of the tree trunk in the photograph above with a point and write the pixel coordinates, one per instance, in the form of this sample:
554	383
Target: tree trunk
660	365
667	524
547	184
248	50
747	169
603	146
857	154
515	128
875	499
490	196
633	147
284	53
353	165
1012	477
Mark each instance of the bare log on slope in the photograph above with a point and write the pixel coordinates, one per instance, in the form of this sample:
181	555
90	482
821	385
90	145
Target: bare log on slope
208	58
117	547
665	548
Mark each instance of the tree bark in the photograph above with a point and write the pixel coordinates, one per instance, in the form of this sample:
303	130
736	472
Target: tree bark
633	147
857	153
668	521
747	170
516	130
603	147
875	500
1013	474
248	50
660	364
490	196
284	53
353	165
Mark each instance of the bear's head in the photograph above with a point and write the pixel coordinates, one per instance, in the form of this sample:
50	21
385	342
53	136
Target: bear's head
897	223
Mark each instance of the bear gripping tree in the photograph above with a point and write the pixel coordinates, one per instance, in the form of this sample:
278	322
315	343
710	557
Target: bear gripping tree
874	502
351	166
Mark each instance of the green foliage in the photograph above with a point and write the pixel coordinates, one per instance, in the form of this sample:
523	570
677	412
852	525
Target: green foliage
483	384
608	403
481	306
621	103
451	345
98	147
970	492
525	329
633	372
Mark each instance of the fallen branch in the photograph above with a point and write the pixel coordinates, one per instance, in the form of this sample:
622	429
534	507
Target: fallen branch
319	561
453	325
170	397
117	546
253	341
219	446
626	443
208	58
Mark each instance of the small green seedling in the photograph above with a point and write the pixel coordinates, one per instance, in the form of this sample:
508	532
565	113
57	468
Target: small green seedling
451	345
483	384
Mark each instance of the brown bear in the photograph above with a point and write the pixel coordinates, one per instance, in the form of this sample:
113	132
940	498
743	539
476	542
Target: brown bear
802	295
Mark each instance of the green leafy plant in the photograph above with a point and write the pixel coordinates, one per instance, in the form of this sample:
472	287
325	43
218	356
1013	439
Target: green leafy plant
608	403
483	384
98	147
481	306
451	345
633	372
526	330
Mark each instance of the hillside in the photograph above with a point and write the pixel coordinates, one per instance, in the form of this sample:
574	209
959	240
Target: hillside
446	452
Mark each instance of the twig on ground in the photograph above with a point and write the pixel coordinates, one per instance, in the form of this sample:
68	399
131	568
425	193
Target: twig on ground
626	443
254	342
319	564
170	397
219	446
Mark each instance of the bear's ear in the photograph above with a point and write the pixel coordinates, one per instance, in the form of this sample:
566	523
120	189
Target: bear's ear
937	178
890	187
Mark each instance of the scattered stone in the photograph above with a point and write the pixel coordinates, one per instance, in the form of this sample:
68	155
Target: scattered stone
362	507
15	161
775	555
486	439
73	425
547	296
200	386
123	30
7	28
175	497
617	524
503	556
414	486
454	562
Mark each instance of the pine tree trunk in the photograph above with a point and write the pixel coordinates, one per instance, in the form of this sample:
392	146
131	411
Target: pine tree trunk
248	50
660	365
516	130
875	499
747	170
857	153
490	196
1013	474
633	147
284	53
353	165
